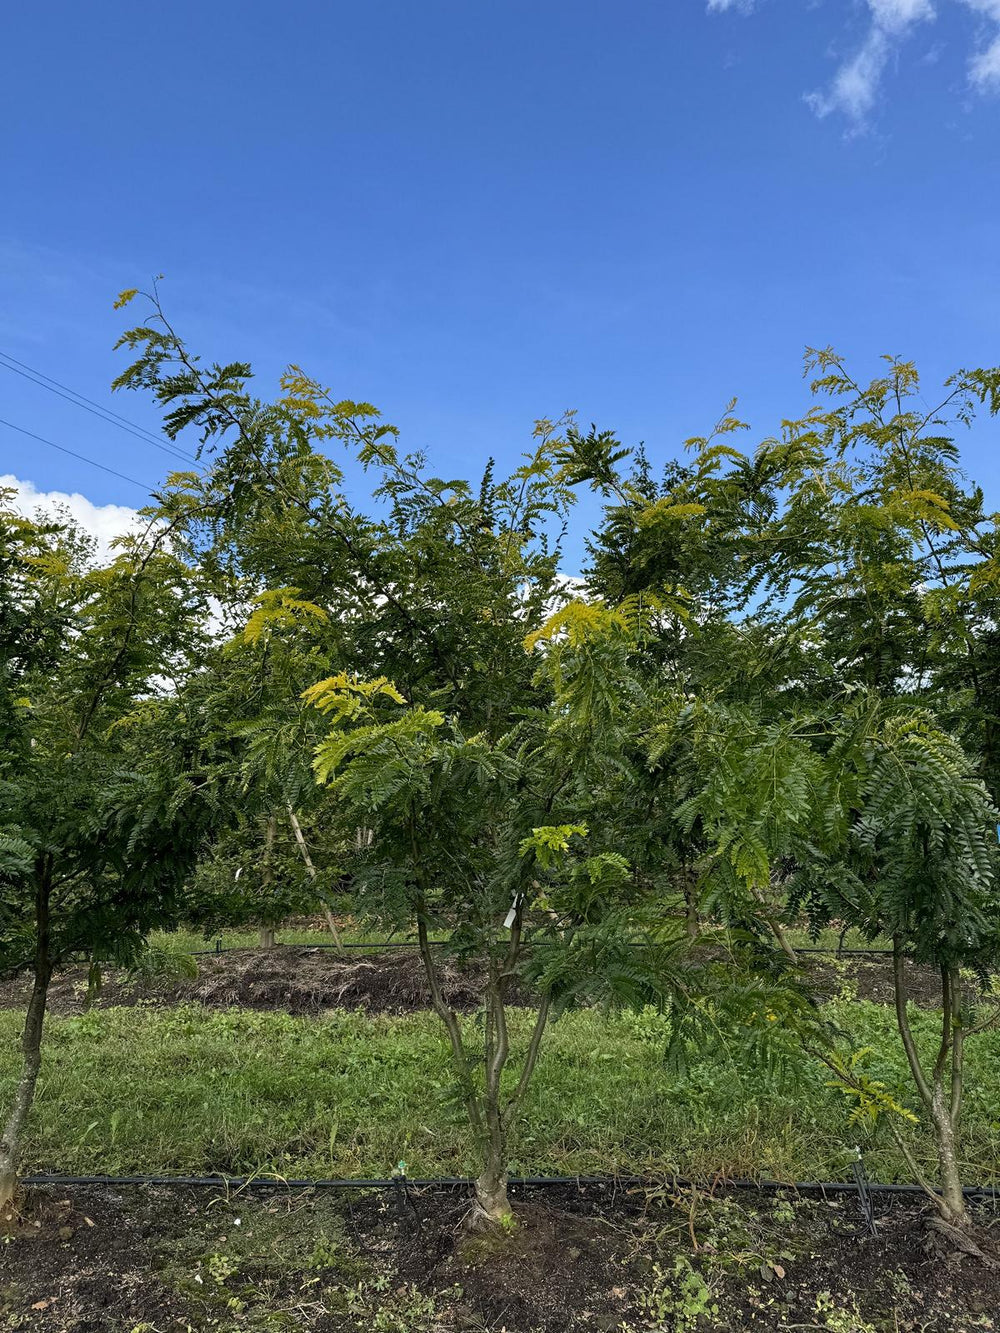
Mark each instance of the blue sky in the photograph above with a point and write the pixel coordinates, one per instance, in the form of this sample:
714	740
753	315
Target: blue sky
477	214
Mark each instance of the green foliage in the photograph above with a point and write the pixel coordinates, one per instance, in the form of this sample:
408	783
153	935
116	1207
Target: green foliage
101	796
870	1098
680	1299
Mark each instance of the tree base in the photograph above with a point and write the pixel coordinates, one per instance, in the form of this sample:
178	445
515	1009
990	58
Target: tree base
10	1207
953	1243
491	1212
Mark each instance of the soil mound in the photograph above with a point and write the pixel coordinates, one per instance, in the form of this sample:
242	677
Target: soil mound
298	979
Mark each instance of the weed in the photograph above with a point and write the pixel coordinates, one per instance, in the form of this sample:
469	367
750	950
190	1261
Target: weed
677	1301
403	1310
838	1318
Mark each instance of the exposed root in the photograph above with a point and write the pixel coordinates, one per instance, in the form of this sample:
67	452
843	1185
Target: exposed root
11	1215
951	1243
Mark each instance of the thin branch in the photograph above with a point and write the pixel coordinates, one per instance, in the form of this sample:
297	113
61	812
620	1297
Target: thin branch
903	1023
530	1059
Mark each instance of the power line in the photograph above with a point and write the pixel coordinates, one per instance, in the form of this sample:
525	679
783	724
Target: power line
95	409
72	453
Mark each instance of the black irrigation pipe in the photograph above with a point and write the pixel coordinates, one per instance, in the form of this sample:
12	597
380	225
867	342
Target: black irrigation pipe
533	1182
414	944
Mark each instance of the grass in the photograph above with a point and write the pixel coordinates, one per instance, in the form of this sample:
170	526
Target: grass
192	941
828	938
187	1090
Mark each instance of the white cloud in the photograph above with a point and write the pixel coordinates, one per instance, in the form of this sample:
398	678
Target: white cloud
854	90
984	65
855	86
895	16
103	522
984	68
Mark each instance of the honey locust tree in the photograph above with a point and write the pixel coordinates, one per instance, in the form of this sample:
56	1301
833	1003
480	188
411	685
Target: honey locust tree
881	822
492	842
102	809
913	856
414	584
849	550
276	857
474	765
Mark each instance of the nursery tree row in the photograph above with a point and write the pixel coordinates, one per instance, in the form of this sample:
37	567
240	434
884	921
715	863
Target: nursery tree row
771	697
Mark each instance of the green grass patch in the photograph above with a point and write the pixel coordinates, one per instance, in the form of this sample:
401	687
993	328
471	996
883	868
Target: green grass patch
187	1090
193	941
828	938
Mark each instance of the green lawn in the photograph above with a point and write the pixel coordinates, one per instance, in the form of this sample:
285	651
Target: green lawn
188	1090
191	941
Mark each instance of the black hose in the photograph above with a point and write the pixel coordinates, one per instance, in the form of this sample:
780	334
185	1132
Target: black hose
414	944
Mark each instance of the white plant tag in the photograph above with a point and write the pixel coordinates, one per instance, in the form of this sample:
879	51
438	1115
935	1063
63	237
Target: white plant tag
511	916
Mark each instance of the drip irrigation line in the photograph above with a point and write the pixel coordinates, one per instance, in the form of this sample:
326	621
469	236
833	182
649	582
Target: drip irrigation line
529	1182
414	944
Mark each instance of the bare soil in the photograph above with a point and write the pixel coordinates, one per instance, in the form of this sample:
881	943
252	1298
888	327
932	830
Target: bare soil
301	979
141	1260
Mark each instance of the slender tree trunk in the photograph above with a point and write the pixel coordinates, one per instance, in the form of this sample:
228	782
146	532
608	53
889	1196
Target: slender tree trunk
692	922
95	983
311	871
774	925
492	1204
31	1050
941	1101
266	935
946	1133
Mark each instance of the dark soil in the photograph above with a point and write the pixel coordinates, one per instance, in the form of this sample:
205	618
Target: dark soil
301	979
141	1260
871	978
296	978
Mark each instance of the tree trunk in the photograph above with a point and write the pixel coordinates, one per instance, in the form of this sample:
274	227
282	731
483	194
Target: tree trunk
492	1205
311	871
952	1199
942	1103
31	1049
266	937
774	925
95	982
692	923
